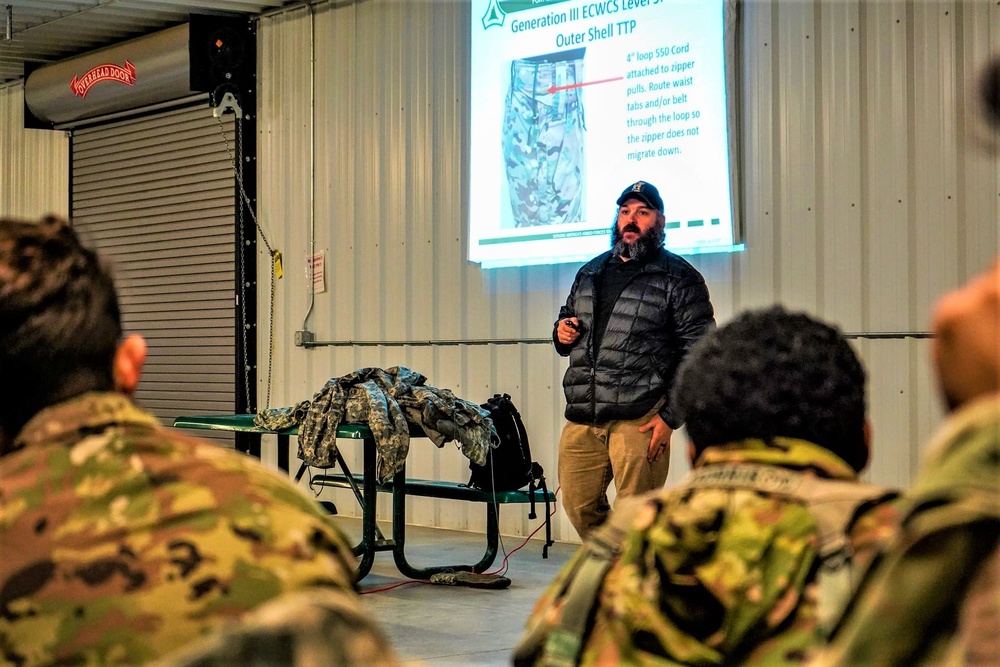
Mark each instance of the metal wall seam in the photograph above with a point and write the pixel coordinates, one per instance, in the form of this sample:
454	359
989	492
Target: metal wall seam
795	214
839	80
935	152
34	164
887	195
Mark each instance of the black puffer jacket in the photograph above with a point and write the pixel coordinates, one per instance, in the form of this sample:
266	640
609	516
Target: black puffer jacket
659	315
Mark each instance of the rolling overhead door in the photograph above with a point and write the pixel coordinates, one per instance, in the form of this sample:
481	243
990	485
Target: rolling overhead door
155	195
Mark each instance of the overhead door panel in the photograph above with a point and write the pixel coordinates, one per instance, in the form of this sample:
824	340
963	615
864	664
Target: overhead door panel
155	195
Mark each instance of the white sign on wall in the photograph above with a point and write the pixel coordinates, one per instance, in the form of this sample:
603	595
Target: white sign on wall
316	268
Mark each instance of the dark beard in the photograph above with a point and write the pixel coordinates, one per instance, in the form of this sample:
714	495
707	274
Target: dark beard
645	245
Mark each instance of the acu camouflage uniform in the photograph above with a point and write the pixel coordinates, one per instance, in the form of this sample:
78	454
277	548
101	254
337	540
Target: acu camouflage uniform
389	400
120	541
933	595
716	574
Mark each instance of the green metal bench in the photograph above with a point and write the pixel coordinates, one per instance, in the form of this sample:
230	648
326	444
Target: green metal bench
447	491
366	489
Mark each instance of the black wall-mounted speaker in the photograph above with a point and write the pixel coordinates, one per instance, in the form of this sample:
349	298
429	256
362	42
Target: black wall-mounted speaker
223	55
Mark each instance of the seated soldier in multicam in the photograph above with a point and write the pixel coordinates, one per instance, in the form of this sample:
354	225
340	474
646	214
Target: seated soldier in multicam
121	542
750	558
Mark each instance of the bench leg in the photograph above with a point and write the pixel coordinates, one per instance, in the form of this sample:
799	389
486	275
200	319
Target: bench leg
492	537
368	525
360	498
283	452
399	538
325	504
372	540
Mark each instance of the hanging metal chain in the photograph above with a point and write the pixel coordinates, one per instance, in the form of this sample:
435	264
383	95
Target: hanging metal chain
245	203
237	169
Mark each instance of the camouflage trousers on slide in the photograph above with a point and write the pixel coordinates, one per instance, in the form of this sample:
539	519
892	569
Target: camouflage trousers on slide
543	139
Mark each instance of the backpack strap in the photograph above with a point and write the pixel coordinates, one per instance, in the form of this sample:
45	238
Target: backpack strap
538	482
565	641
522	439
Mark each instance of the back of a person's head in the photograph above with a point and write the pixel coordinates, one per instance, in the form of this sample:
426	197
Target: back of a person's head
773	373
59	320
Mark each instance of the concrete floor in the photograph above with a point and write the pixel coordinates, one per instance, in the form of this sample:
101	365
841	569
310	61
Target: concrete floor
439	625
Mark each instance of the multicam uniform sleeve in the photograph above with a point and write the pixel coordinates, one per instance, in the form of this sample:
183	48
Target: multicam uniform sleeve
316	627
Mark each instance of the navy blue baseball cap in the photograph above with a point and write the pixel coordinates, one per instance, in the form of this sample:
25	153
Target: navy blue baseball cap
644	192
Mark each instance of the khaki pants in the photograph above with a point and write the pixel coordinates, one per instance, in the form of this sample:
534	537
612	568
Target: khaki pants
590	457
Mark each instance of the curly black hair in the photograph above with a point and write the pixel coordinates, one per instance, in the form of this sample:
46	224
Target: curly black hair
60	322
772	373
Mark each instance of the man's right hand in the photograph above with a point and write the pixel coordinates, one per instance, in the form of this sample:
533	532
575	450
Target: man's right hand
568	330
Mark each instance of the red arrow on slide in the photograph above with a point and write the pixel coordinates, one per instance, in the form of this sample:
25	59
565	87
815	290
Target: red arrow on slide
553	89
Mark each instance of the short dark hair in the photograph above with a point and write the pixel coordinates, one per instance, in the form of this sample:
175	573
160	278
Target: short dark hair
60	323
774	373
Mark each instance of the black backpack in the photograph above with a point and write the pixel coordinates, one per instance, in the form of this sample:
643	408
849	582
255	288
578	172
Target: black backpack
508	464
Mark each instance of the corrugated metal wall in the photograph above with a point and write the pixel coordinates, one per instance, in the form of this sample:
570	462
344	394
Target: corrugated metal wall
34	164
864	201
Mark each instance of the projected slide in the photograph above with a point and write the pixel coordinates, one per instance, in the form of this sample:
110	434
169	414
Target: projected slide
571	101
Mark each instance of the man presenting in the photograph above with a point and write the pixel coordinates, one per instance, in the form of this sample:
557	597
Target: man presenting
631	316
